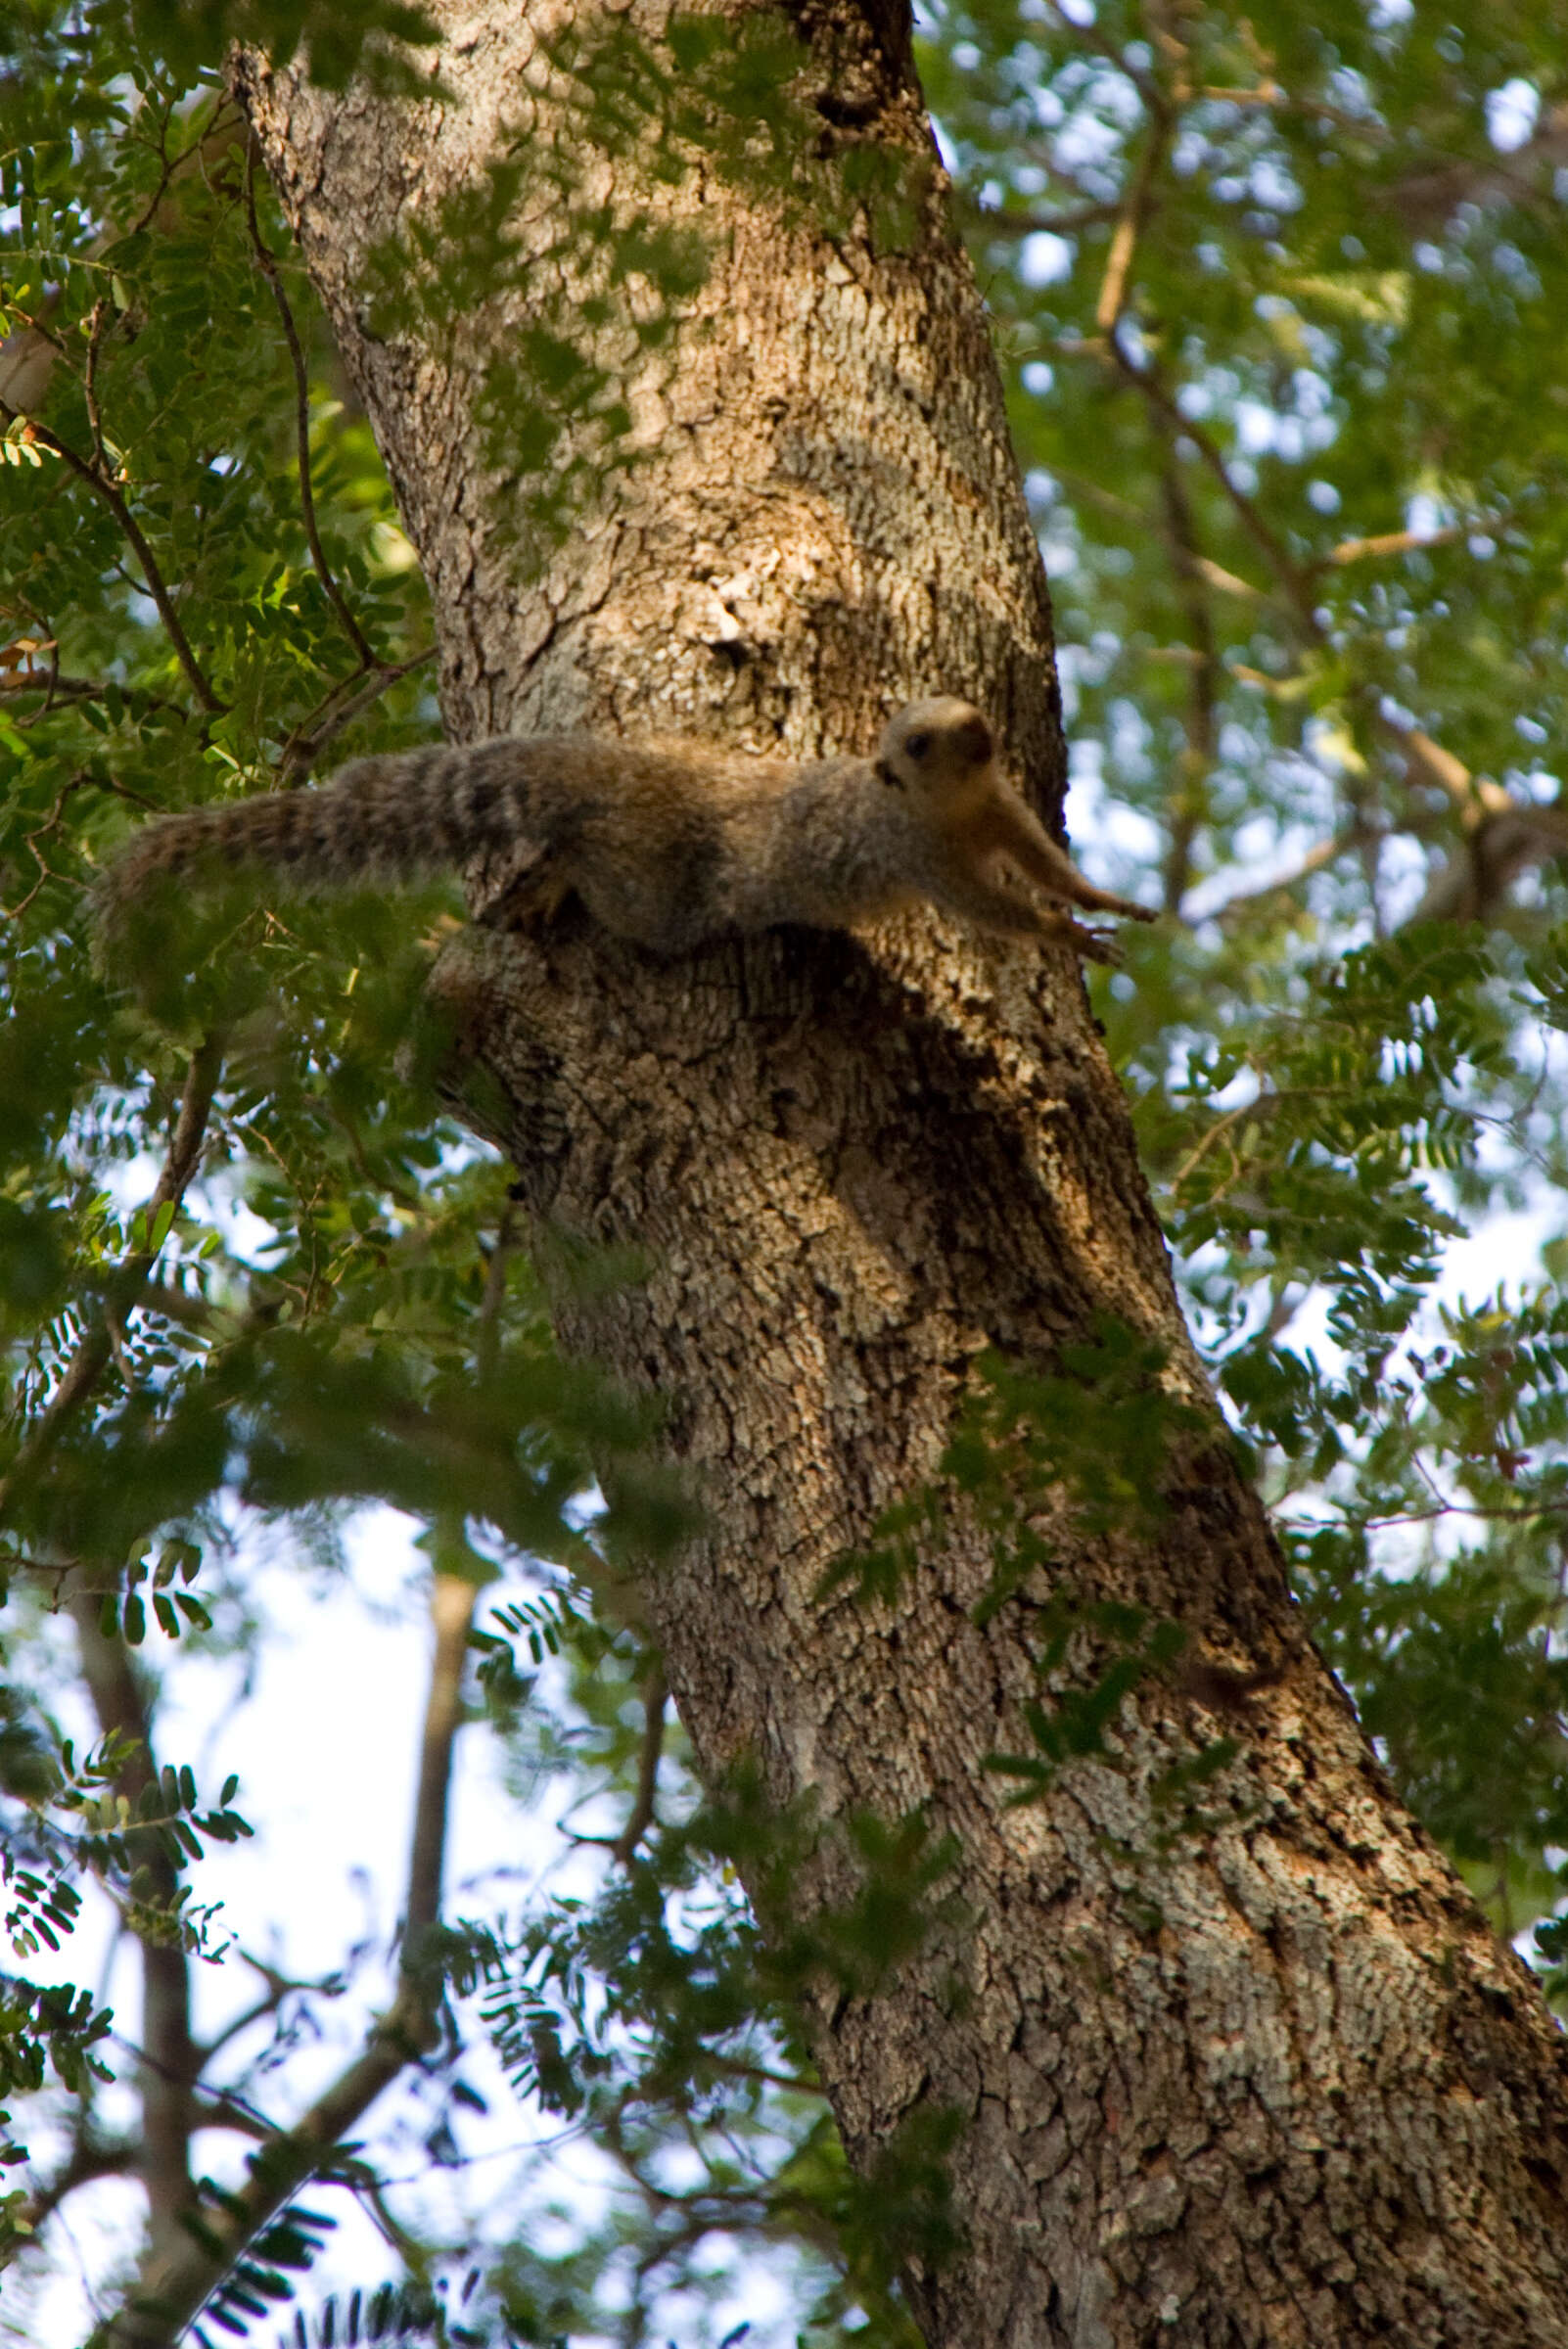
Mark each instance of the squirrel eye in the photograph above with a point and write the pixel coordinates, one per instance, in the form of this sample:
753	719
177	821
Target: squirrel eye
918	745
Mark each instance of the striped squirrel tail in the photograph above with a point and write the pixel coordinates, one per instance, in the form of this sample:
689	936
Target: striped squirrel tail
382	819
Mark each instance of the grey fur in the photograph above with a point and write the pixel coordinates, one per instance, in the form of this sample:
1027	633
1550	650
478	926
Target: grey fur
667	844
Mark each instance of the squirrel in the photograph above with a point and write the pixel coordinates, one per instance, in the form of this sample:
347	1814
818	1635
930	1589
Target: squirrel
669	844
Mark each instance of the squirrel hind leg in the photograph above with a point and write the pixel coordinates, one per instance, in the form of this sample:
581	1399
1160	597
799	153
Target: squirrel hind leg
534	896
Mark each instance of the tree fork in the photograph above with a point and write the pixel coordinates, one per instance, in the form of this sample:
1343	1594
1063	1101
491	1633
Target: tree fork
1280	2086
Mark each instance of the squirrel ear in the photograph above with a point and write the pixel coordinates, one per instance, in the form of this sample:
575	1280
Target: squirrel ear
975	736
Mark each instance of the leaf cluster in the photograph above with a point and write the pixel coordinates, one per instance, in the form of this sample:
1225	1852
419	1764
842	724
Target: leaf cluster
1280	321
658	2017
1277	297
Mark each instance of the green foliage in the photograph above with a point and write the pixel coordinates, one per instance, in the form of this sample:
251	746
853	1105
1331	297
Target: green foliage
45	2028
43	1909
59	2024
113	1830
391	2313
257	2284
1330	289
1282	332
1281	328
190	37
660	2017
66	1818
1073	1724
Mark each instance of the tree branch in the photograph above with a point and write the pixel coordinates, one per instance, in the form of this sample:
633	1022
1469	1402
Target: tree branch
1325	854
1277	555
310	737
656	1696
451	1604
1259	1107
1500	835
1189	802
169	2062
1270	95
88	2161
173	2289
1504	834
1391	542
1130	225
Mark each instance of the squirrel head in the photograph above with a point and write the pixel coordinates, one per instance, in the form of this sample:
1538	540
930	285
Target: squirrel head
939	751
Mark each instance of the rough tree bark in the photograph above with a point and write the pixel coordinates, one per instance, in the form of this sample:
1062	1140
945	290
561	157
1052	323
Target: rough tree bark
1281	2088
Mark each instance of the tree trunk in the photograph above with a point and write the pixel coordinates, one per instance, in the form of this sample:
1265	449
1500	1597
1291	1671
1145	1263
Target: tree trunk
1275	2084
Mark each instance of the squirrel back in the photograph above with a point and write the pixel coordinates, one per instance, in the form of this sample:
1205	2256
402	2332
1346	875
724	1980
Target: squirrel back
666	843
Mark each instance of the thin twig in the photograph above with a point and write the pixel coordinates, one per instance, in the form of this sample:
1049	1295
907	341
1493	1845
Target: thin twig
1223	1124
191	1307
313	734
168	2063
1469	793
227	128
1464	1508
992	221
368	2192
1189	803
104	489
1146	380
30	840
1269	94
1392	542
54	687
1124	510
168	165
95	328
451	1605
87	2162
1215	574
157	2310
173	2291
1477	799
